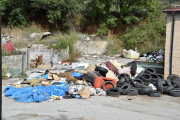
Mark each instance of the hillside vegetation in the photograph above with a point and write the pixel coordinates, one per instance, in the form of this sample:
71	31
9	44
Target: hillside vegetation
144	22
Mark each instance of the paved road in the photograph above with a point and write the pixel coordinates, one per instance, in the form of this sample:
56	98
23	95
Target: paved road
94	108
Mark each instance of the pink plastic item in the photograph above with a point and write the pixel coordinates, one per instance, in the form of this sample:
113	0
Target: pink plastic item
8	47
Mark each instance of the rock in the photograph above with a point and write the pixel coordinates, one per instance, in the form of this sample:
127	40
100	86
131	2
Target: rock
87	38
117	55
34	36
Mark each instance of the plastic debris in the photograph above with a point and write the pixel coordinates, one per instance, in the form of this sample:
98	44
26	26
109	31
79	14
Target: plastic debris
34	94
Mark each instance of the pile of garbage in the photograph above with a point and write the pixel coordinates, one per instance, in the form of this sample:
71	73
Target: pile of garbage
109	78
154	56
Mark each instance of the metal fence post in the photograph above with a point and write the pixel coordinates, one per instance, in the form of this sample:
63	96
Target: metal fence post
22	61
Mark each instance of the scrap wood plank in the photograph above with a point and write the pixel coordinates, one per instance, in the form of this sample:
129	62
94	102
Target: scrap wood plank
44	66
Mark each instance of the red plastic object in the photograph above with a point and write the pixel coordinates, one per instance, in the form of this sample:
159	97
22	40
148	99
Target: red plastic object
98	83
8	47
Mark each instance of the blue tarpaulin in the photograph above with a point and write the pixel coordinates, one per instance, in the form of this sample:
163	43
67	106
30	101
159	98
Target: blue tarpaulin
34	94
76	74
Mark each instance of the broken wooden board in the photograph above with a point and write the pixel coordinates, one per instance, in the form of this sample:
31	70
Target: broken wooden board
44	66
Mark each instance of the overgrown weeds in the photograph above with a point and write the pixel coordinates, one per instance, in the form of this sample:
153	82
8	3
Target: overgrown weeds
60	41
4	72
15	52
20	36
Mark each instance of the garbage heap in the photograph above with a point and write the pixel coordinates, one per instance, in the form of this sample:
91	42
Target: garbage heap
109	78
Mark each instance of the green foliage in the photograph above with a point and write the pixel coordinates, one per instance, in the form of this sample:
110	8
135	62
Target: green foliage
23	75
59	41
146	37
16	12
103	29
5	53
131	19
109	13
4	72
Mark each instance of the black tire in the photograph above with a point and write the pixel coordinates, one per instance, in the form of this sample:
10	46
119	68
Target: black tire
109	83
154	77
138	88
168	82
121	81
169	88
176	81
133	92
97	73
159	85
115	92
145	91
160	76
176	89
89	79
140	74
137	82
101	70
174	93
79	78
125	76
119	86
154	94
154	83
146	78
172	76
150	70
125	89
92	74
164	87
133	68
175	85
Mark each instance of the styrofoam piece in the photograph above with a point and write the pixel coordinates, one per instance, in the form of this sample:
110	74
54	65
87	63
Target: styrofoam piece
130	54
83	64
74	65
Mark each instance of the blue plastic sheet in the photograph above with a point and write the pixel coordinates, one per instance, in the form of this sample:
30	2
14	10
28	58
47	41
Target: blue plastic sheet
76	74
35	94
45	76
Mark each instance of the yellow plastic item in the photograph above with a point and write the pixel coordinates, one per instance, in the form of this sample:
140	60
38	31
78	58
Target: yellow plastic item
117	64
130	54
111	74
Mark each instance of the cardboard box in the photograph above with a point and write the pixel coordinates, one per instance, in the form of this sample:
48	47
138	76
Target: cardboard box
85	92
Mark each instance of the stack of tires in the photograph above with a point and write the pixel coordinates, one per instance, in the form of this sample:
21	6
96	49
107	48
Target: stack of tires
139	85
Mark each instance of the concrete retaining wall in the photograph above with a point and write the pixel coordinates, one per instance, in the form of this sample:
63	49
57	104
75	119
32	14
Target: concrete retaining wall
84	47
91	46
48	53
14	63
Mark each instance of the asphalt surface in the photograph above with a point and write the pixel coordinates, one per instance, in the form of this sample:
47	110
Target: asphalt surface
94	108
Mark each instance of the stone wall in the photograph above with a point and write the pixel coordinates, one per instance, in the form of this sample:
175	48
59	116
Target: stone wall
48	53
91	46
176	44
14	63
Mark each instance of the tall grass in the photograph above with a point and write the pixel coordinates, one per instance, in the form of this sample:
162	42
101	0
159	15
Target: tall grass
21	35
